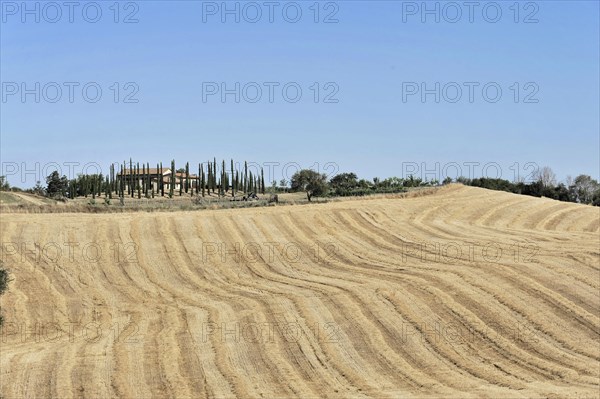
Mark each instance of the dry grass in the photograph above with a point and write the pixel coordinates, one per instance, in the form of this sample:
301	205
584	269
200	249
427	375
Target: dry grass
34	205
379	304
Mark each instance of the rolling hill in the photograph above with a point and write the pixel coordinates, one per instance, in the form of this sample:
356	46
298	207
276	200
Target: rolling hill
462	293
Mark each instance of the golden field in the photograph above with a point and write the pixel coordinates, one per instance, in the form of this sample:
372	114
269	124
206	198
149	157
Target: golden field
464	293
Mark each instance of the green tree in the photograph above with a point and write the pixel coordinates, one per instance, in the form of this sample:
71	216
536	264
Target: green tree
187	177
158	178
245	177
131	177
312	183
149	184
233	185
283	185
107	192
56	185
224	187
39	190
111	182
214	170
143	176
343	183
210	178
202	179
137	180
181	181
4	186
172	182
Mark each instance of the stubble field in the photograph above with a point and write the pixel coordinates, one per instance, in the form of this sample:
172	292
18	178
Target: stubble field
461	293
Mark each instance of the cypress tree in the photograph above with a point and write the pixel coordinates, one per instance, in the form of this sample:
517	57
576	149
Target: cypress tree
245	177
232	180
202	179
122	179
148	180
118	187
158	178
137	181
220	185
215	173
262	181
111	181
130	188
208	178
213	178
162	183
224	187
198	179
172	184
187	176
130	178
223	178
181	186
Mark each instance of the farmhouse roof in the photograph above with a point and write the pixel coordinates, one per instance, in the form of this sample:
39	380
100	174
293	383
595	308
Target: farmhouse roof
151	171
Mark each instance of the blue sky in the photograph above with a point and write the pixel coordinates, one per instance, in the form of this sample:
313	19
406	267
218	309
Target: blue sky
370	58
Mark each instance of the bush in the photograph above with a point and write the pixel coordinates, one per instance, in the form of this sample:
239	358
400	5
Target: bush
4	280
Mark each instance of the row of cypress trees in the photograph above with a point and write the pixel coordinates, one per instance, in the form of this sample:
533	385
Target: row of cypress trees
139	180
133	180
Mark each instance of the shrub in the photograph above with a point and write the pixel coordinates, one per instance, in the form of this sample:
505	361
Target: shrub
4	280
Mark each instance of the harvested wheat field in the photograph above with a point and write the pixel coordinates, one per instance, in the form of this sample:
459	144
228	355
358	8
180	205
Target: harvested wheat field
462	293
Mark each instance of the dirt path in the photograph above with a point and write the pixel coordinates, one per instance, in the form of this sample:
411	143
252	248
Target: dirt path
30	199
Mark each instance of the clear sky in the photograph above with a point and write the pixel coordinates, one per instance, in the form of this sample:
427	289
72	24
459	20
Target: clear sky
371	62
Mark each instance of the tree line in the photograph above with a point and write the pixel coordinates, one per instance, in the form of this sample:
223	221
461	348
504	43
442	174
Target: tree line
134	180
582	189
137	180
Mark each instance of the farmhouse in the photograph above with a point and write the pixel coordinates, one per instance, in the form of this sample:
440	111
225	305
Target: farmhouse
133	177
